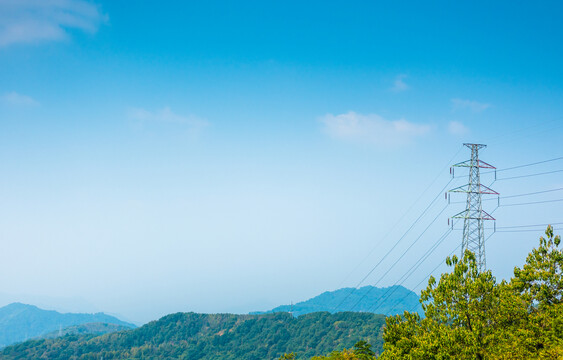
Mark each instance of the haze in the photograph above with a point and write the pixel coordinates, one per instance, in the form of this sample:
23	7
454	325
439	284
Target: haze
236	156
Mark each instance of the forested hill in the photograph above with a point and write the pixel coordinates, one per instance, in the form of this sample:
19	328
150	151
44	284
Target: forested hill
387	301
19	322
84	329
215	336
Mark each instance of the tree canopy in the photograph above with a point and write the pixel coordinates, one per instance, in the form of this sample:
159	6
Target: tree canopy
469	315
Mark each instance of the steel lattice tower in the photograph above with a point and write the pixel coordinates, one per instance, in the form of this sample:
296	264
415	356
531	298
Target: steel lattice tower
474	216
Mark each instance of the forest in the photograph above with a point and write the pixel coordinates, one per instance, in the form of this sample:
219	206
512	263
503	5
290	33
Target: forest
468	314
214	336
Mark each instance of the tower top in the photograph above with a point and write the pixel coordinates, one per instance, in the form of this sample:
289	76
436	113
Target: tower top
478	146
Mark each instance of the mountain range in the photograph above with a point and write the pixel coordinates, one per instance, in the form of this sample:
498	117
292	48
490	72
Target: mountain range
214	337
308	328
387	301
20	322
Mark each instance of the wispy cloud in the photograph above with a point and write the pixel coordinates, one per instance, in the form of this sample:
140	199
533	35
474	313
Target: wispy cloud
166	116
15	99
28	21
457	128
460	104
372	129
399	83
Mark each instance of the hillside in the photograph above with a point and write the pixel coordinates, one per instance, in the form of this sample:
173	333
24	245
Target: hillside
387	301
19	322
86	329
215	336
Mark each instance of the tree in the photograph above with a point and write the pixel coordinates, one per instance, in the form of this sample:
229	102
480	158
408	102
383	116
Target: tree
468	315
363	350
290	356
338	355
540	281
457	313
538	287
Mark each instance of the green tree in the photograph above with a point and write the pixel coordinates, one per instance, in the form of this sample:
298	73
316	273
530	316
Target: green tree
338	355
457	311
537	288
468	315
289	356
363	350
540	281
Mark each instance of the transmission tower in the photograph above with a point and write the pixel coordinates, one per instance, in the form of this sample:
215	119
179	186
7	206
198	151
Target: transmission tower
474	216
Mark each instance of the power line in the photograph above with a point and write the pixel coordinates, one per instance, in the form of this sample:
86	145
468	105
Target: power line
431	272
424	257
519	226
513	196
401	218
428	253
519	166
409	272
532	193
394	246
533	202
531	164
523	230
400	257
413	268
454	250
524	165
529	175
523	226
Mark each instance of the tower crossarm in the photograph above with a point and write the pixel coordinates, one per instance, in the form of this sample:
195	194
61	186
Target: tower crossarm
479	163
474	215
468	189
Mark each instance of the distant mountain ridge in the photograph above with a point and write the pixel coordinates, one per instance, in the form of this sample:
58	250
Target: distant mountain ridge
387	301
19	322
215	337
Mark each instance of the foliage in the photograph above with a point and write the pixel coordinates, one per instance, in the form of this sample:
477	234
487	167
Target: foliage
468	315
362	351
345	354
83	329
290	356
540	281
215	336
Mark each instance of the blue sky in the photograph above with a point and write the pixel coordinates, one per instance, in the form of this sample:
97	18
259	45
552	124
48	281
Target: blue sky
234	156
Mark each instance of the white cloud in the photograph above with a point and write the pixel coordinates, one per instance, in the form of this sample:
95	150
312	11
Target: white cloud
399	83
13	98
166	115
460	104
372	128
457	128
28	21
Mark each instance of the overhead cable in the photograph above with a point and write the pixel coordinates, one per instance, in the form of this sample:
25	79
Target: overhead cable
409	272
400	257
513	196
394	246
440	173
529	175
